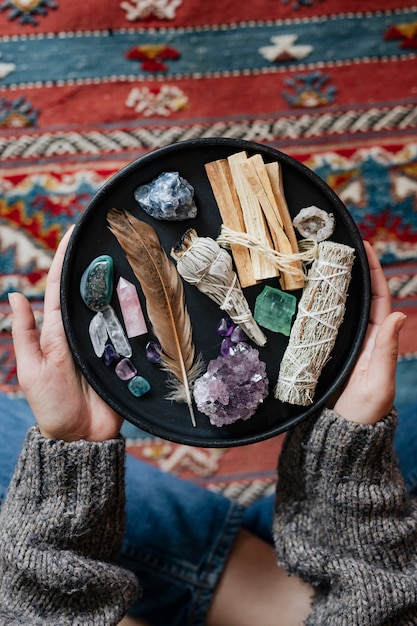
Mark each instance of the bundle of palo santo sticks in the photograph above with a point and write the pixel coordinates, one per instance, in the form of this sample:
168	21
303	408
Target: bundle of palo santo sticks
250	197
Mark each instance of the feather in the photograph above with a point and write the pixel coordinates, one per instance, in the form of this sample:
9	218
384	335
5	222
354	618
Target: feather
165	301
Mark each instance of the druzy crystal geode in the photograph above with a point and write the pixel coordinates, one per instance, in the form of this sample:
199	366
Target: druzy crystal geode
233	386
96	286
168	197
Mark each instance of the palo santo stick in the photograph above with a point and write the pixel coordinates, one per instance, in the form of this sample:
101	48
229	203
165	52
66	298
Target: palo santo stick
279	239
221	182
275	177
253	217
258	163
258	179
278	236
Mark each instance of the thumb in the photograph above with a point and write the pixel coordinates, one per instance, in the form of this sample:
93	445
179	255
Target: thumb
25	336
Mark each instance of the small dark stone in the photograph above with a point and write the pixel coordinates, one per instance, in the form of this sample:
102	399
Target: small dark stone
110	356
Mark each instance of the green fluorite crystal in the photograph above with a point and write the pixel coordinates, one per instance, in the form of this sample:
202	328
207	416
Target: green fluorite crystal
96	285
274	309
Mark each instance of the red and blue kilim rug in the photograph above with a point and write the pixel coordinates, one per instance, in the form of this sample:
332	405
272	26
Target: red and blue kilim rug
86	87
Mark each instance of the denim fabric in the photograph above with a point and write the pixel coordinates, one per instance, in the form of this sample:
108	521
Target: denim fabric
178	535
405	443
178	538
15	420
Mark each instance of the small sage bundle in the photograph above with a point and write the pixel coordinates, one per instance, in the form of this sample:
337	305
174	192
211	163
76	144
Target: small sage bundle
203	263
320	313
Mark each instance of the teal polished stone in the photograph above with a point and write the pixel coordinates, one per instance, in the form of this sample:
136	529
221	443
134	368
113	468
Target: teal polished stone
274	310
96	285
138	386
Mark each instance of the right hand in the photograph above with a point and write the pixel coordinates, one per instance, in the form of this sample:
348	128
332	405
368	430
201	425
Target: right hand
369	393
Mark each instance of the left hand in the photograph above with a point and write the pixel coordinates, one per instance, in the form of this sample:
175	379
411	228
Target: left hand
64	404
369	393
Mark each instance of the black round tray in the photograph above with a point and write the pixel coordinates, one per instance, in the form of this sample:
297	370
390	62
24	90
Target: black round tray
91	238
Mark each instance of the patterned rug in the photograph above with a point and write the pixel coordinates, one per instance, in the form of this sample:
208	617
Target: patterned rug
87	87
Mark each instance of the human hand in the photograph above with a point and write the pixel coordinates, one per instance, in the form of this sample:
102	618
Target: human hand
369	393
64	404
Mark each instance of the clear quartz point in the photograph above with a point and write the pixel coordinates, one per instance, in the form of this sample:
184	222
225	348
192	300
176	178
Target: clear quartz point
116	332
98	333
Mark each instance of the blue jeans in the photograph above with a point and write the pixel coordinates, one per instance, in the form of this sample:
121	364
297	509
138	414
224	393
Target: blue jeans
179	535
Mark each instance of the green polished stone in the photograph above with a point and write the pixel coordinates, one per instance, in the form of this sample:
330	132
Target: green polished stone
96	285
138	386
274	310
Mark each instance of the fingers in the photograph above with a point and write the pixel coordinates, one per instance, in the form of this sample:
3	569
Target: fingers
25	335
369	394
27	344
53	340
381	297
383	363
370	391
385	352
52	296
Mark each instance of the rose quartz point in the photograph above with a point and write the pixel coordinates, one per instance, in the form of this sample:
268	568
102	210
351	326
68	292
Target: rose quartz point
131	309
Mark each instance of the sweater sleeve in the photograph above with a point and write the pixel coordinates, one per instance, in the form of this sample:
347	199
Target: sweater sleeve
345	524
61	527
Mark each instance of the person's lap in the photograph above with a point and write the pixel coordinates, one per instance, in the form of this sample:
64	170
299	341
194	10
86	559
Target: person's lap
178	535
15	420
177	540
405	443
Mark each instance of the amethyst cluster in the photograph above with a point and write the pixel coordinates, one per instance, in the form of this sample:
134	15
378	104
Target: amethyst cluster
233	387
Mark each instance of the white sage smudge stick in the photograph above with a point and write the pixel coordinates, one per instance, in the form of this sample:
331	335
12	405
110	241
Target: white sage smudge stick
320	313
203	263
285	262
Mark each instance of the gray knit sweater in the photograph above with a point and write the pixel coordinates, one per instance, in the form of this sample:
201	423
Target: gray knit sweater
344	523
60	530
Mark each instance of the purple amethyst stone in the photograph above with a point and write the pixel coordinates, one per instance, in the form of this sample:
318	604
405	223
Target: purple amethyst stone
153	352
225	327
110	356
233	386
125	369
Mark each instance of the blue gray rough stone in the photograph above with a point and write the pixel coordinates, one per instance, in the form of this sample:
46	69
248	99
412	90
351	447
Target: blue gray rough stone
168	197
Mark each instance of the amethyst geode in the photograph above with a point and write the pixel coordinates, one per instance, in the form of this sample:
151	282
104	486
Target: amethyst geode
233	386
